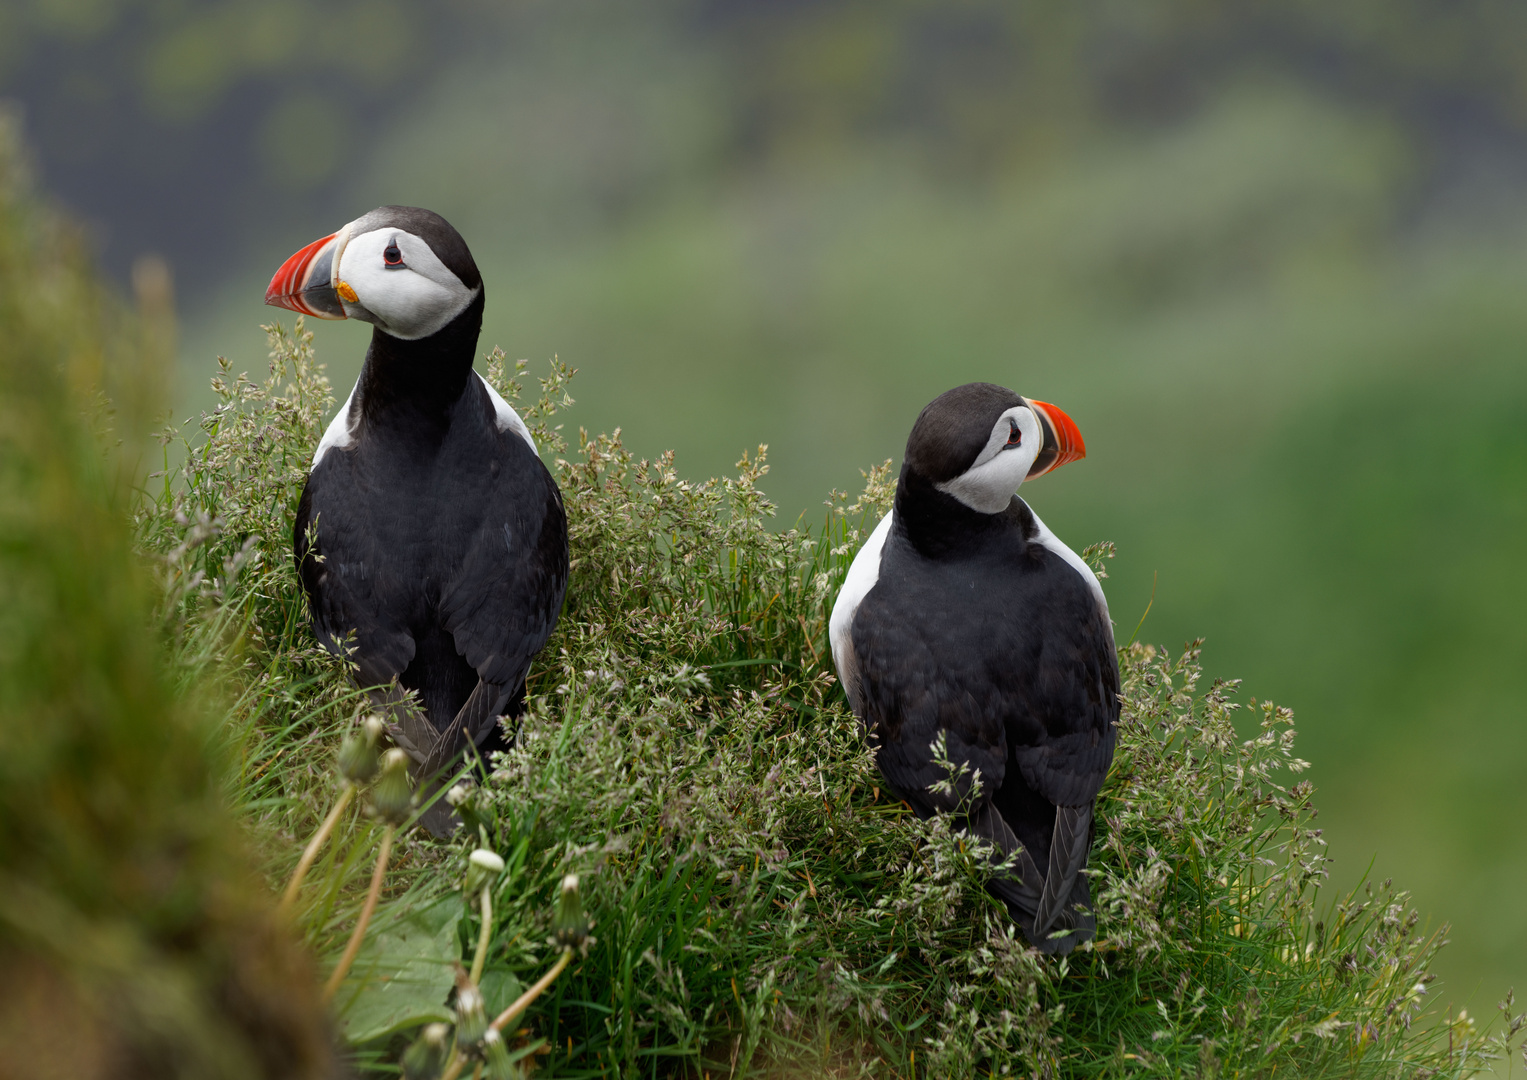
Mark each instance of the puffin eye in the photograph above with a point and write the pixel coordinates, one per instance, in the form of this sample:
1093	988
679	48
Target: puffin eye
392	258
1014	437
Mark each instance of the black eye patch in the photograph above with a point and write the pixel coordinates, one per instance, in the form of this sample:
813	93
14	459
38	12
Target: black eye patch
392	258
1014	436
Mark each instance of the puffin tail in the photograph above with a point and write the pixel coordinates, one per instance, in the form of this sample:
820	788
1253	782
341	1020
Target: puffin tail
1054	909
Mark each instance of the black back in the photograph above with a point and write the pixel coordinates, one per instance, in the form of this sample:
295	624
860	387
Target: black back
977	631
997	641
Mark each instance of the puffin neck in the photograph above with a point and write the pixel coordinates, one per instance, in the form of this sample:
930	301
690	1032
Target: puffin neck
938	524
421	380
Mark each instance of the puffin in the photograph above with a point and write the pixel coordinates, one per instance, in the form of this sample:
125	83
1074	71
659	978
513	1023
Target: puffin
963	618
430	539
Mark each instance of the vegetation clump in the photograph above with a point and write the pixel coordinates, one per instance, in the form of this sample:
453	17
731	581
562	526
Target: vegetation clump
758	905
134	940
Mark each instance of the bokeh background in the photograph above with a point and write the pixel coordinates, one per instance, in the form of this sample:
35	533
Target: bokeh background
1270	256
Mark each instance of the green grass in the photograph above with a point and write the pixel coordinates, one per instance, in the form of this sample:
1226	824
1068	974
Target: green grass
759	907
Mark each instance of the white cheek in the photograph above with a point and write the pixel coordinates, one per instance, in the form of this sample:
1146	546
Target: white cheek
989	487
409	305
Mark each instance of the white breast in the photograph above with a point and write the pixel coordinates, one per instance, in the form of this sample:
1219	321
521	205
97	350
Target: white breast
863	573
508	419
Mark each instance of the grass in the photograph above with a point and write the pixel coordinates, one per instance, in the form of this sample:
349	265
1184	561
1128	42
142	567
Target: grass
758	906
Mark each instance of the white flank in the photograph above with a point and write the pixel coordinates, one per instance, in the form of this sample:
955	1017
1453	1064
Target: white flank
1050	541
338	432
862	575
508	419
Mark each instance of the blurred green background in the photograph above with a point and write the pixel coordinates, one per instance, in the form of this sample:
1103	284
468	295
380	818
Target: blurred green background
1270	256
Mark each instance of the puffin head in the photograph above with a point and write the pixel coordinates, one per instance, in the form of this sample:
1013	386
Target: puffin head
403	269
979	442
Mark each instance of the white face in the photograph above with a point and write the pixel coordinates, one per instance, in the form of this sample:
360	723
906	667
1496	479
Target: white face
991	481
398	283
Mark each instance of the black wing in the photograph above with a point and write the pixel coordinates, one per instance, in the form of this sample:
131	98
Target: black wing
1059	690
913	689
502	604
343	564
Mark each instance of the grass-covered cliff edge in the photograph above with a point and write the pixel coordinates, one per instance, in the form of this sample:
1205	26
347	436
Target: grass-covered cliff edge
759	907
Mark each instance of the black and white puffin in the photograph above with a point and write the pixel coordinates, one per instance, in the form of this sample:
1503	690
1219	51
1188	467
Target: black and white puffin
429	528
963	615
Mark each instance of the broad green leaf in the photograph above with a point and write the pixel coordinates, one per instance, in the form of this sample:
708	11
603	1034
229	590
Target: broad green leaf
404	972
500	989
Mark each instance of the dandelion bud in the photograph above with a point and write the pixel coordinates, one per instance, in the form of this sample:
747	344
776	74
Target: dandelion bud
569	925
426	1057
358	761
482	866
392	798
471	1015
496	1055
458	794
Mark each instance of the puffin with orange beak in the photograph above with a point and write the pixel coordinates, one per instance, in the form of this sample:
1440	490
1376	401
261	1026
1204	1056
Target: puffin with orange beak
963	618
430	539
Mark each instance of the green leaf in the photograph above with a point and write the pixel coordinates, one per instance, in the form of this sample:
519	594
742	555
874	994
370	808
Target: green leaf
404	971
500	989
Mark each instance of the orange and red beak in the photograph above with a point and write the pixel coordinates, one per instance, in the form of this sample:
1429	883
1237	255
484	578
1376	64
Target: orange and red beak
305	282
1062	440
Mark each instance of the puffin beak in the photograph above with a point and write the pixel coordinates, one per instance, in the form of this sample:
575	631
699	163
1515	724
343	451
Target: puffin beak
1062	443
305	282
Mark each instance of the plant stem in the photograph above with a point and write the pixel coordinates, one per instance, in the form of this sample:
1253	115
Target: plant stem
482	939
534	992
314	845
454	1066
332	986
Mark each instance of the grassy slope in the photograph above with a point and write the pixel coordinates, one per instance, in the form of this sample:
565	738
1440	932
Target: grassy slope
757	904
